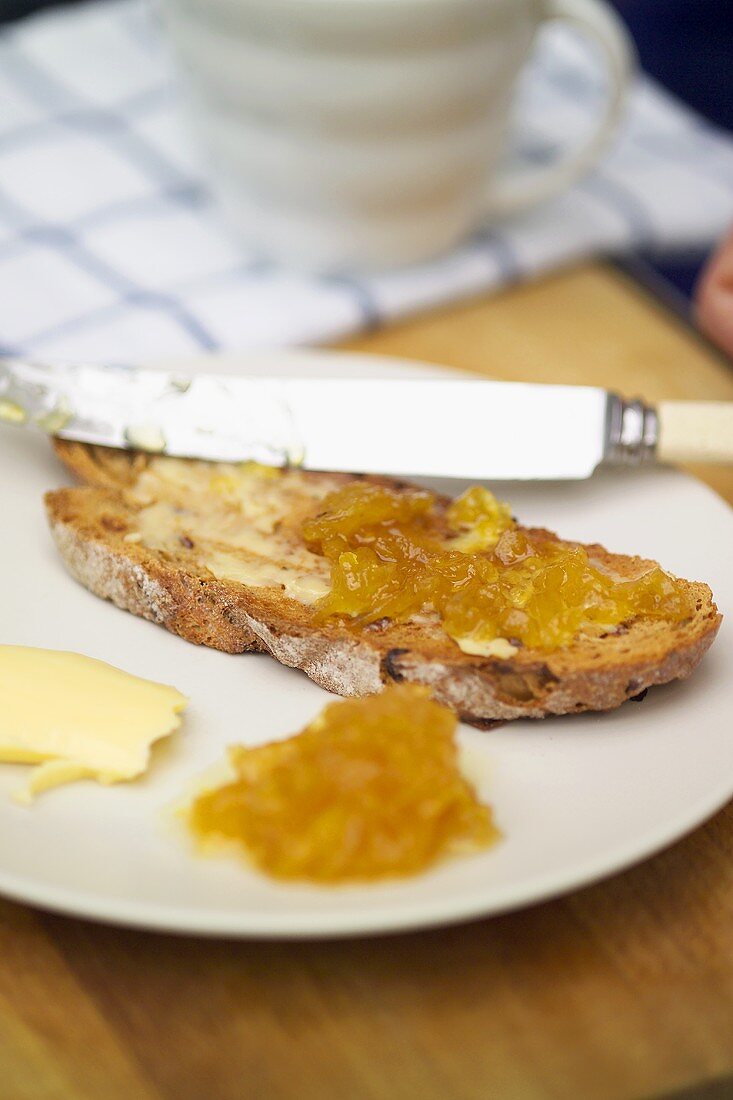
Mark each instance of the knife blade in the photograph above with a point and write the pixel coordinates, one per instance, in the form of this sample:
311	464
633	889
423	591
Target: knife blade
461	428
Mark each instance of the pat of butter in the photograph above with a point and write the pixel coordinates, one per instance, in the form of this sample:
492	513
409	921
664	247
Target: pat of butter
76	718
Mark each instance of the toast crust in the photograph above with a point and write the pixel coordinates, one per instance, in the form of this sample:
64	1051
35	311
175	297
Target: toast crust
91	525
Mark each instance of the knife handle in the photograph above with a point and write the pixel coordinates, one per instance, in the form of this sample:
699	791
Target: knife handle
695	431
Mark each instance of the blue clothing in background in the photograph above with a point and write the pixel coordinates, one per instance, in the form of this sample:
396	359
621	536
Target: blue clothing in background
687	45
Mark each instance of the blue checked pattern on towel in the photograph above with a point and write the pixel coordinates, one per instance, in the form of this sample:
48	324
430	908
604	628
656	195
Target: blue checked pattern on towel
110	249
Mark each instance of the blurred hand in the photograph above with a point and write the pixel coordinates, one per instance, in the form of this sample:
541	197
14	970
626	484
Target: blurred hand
714	297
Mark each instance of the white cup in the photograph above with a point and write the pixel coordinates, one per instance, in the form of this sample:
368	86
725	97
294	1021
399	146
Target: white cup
358	135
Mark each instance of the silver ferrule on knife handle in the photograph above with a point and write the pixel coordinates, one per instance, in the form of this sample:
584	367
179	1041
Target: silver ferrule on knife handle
673	432
632	432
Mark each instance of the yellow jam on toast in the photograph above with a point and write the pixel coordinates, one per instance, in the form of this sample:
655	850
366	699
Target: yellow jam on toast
494	585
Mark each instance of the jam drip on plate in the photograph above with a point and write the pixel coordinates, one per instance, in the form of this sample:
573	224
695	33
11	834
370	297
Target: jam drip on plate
370	789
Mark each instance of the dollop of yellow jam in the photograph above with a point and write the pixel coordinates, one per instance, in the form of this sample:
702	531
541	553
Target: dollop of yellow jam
396	555
370	789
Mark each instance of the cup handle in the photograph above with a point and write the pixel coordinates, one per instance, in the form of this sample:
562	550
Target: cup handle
515	192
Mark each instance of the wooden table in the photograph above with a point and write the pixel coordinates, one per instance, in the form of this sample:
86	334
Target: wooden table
623	990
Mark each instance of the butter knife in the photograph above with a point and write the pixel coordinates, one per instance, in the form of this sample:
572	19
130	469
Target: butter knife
461	428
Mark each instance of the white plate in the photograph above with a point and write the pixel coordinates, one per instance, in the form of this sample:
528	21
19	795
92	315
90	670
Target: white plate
577	798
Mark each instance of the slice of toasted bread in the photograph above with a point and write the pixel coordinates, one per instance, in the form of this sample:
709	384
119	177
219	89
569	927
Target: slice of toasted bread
120	536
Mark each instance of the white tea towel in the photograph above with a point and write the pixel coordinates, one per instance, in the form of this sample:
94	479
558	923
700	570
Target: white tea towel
110	249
